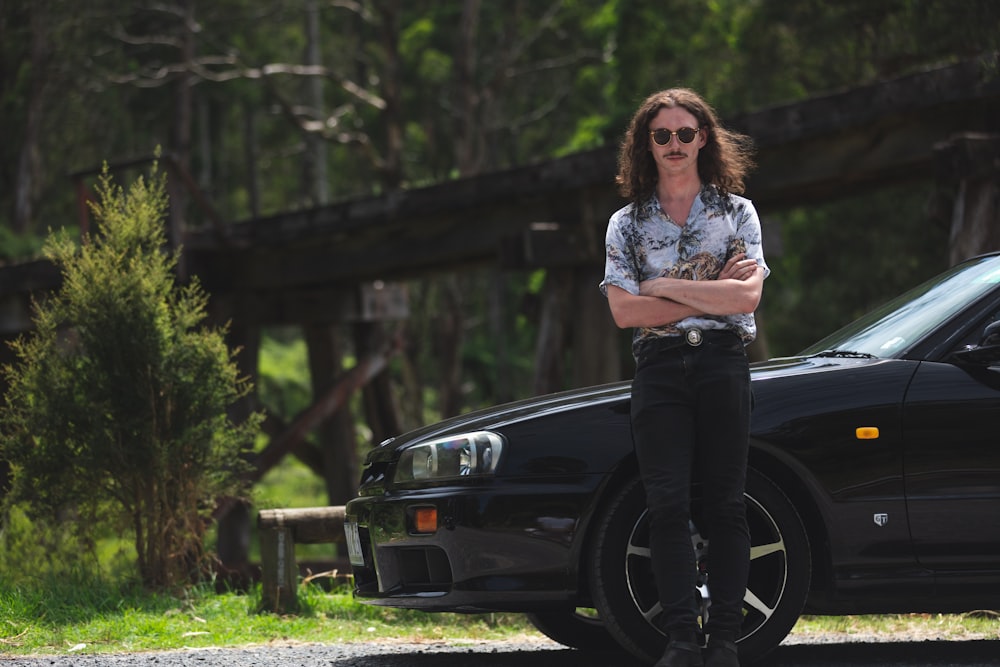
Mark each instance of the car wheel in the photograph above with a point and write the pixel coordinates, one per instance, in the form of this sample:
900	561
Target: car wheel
579	629
624	593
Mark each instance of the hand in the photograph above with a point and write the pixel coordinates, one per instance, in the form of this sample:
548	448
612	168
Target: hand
652	287
738	268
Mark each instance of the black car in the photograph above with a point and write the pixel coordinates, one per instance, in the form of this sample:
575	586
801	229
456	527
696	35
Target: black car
874	487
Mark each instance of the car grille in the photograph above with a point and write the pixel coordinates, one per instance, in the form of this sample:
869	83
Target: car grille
421	567
405	570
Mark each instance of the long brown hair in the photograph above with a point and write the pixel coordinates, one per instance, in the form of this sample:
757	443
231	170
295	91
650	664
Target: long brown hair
724	161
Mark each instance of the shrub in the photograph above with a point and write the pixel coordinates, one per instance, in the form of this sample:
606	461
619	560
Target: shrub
116	411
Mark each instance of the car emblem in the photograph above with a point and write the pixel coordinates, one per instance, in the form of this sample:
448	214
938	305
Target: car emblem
694	337
881	519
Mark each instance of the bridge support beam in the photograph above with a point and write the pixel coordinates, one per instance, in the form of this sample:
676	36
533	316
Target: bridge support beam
970	165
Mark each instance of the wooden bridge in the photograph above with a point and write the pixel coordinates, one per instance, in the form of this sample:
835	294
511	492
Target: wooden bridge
297	266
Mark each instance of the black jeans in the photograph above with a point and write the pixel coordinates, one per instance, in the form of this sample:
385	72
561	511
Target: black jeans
691	417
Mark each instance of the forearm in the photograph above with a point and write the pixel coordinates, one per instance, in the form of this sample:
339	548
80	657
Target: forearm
712	297
630	310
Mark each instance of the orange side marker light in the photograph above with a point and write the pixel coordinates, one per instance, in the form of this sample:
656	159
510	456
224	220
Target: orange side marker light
425	519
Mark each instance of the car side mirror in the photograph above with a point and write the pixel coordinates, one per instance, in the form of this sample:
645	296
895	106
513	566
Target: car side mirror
987	352
991	334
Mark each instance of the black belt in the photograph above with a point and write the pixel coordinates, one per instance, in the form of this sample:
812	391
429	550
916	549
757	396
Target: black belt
690	337
695	337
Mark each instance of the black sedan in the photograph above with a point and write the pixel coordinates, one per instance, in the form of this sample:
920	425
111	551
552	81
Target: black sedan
874	487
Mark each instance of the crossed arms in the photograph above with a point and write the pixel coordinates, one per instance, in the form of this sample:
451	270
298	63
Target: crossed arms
664	301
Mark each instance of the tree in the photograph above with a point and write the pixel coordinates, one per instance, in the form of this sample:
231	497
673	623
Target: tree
116	406
260	99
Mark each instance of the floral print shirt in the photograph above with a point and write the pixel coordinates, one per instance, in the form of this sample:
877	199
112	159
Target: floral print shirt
645	243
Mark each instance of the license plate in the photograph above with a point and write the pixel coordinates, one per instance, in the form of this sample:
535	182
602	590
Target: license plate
354	551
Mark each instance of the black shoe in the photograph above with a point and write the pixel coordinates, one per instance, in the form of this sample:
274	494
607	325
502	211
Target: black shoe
681	654
721	652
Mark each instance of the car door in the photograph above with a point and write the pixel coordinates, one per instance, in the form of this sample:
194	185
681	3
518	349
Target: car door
951	434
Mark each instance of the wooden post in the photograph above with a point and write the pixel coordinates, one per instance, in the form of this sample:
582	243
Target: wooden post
279	530
279	574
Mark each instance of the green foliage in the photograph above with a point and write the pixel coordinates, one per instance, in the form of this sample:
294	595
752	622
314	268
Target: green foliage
542	79
35	551
527	82
283	384
116	407
16	246
789	50
841	259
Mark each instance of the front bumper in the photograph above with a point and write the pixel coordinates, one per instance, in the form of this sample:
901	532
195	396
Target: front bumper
500	546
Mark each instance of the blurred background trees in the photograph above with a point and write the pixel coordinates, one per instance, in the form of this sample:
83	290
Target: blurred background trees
285	104
288	103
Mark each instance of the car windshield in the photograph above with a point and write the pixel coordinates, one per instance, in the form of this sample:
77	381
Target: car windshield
890	330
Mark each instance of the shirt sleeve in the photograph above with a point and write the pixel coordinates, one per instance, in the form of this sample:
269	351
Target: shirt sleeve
620	267
750	231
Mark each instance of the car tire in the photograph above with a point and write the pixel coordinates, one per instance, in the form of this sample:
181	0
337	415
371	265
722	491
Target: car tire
777	585
575	630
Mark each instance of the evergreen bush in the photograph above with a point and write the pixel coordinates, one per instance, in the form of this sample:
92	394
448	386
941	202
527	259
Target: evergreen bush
116	408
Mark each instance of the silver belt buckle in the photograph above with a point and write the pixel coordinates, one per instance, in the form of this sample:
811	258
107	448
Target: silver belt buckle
694	337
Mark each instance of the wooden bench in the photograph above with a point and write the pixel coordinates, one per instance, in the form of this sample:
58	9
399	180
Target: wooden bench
279	530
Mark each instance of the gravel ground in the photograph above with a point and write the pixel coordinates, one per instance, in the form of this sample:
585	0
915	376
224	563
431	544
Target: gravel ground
376	654
798	651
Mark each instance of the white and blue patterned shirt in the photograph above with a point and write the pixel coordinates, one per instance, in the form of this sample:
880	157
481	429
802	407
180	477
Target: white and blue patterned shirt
646	244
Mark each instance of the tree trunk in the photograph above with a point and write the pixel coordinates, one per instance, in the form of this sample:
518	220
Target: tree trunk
29	160
449	337
597	341
234	520
392	115
336	435
553	332
971	164
252	152
498	306
180	131
315	162
467	155
381	411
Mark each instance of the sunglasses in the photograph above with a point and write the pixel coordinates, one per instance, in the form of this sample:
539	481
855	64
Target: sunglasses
685	135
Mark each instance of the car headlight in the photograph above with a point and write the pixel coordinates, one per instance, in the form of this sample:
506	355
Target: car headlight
465	455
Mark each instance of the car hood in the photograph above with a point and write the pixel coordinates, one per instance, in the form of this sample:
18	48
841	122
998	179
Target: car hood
783	367
530	408
501	415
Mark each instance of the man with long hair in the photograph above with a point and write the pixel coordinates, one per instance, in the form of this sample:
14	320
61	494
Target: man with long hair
685	270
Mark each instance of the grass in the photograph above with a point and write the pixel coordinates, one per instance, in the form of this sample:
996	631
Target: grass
63	603
973	625
99	617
